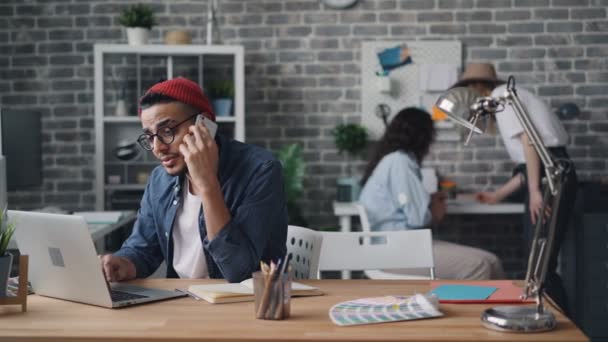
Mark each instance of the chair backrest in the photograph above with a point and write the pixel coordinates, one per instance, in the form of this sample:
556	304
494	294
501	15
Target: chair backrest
304	245
393	250
365	226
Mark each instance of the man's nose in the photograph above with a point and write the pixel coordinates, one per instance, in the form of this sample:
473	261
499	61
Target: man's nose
158	145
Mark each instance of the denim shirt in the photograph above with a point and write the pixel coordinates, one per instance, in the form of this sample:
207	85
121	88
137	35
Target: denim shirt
394	195
251	181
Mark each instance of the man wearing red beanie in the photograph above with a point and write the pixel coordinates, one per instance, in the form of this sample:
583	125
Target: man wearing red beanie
214	207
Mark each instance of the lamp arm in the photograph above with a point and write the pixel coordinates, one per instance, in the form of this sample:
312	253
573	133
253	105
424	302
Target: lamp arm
461	100
542	243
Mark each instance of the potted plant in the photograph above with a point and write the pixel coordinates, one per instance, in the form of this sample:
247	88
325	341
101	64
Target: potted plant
221	93
138	19
352	139
6	259
292	161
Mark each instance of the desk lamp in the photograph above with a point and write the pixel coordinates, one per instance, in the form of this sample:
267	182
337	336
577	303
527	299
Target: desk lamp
459	102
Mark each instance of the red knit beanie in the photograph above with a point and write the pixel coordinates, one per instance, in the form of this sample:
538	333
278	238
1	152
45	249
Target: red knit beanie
183	90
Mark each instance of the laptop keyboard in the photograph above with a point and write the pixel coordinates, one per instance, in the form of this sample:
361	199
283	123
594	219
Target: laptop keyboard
119	296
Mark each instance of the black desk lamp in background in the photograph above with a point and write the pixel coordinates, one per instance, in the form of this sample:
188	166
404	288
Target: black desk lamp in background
461	102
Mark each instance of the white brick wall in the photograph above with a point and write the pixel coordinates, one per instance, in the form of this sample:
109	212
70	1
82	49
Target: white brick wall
302	63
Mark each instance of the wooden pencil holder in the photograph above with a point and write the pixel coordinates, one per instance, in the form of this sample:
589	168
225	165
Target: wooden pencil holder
21	297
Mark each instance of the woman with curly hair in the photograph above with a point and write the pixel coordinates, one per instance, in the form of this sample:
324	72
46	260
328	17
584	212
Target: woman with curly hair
395	199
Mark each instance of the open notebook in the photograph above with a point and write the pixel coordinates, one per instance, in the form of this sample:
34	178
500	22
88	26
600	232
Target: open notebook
243	291
478	291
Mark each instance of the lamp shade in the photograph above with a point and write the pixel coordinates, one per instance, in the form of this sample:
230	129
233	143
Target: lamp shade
455	104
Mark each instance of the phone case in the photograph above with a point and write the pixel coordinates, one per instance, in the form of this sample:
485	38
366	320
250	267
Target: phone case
211	126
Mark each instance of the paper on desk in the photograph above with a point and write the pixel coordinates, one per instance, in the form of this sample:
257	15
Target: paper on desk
505	292
463	291
384	309
100	217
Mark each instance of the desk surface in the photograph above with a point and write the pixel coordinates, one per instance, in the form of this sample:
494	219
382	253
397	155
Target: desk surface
187	319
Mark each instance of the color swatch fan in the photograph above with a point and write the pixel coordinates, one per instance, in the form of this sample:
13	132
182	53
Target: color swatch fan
384	309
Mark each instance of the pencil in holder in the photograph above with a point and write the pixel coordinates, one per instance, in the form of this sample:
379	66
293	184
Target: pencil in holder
272	294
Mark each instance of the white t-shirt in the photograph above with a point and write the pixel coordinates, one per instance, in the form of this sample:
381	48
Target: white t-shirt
188	253
547	124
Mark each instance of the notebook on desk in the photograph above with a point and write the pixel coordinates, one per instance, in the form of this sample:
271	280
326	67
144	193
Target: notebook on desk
243	291
478	291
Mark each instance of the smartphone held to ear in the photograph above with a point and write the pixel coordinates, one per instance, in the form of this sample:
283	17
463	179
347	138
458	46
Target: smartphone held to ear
211	126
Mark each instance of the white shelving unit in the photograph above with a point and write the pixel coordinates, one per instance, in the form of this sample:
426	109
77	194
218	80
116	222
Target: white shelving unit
110	129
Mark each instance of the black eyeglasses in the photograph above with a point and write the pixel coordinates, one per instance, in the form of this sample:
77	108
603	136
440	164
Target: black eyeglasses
166	135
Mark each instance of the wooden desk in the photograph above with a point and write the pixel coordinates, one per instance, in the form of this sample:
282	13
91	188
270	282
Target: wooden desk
187	319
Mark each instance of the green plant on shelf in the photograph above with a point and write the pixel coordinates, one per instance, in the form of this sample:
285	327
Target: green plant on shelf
221	89
350	138
138	15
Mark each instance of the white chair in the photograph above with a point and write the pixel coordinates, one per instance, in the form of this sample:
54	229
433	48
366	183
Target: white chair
378	274
405	249
304	245
365	226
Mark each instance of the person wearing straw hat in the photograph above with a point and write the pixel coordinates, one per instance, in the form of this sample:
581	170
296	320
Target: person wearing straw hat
529	171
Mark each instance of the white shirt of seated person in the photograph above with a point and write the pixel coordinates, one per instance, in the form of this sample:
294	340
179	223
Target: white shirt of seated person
188	253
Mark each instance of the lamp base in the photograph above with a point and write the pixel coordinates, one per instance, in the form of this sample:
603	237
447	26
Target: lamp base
518	319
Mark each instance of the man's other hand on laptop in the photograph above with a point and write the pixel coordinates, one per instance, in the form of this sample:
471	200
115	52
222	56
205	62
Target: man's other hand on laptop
117	268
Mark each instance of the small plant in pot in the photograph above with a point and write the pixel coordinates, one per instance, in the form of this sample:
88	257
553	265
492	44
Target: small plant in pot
221	94
138	19
6	259
352	139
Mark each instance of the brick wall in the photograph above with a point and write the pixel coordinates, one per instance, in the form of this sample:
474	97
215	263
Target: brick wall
302	65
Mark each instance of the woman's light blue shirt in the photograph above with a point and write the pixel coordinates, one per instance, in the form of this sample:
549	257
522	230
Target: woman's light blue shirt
394	195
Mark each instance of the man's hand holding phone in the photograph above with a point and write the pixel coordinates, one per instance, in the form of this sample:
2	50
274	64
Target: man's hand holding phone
201	153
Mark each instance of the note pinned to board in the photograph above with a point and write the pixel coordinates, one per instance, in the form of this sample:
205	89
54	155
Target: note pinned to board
462	292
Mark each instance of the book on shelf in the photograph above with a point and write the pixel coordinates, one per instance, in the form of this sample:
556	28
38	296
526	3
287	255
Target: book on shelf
243	291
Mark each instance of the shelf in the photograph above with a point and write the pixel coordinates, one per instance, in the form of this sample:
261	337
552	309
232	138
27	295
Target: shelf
225	119
140	67
125	186
161	49
121	119
151	163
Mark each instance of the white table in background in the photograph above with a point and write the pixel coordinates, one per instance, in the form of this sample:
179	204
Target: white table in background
100	230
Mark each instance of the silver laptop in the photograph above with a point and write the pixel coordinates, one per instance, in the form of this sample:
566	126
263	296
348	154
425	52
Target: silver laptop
64	264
